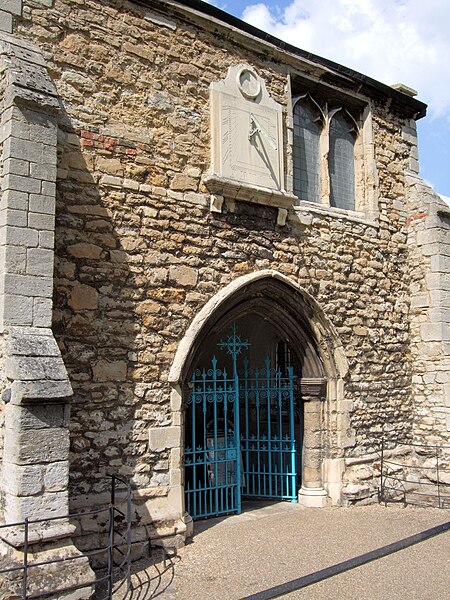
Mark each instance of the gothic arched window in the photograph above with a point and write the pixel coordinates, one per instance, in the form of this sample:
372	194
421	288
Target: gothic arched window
341	162
307	127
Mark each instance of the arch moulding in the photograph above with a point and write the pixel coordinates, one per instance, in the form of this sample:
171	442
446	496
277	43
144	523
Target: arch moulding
333	413
336	363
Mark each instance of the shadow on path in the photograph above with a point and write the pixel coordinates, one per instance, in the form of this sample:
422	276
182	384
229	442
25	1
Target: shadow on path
347	565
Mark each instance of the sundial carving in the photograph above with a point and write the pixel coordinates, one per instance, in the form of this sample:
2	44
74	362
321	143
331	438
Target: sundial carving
246	130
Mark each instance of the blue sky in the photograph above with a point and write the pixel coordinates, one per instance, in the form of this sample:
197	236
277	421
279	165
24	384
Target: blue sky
394	41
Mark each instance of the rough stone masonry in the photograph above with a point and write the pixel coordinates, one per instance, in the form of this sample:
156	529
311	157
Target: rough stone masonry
115	235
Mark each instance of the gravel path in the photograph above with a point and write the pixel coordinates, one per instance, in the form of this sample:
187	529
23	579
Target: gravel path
241	556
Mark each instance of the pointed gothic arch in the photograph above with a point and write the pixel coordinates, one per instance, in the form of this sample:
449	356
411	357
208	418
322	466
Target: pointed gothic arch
297	317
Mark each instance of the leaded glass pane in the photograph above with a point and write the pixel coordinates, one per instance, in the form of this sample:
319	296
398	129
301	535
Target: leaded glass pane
306	154
341	164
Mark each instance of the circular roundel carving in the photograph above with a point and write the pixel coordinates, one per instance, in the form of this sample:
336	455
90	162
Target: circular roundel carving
249	84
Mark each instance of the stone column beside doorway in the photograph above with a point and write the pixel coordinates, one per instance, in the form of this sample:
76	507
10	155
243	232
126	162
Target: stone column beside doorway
312	493
34	382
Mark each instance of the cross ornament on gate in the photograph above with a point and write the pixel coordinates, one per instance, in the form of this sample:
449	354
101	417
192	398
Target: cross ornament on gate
233	343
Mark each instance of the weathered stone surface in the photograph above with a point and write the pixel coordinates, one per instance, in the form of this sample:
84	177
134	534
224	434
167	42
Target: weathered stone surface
110	371
85	250
182	275
161	438
36	446
184	183
83	297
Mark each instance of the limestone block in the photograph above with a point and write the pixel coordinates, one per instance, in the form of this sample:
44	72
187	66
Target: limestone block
12	6
40	261
41	221
148	307
14	199
183	183
441	313
176	456
24	480
36	507
37	417
175	477
85	250
47	239
5	21
20	236
27	341
131	184
111	166
201	199
45	173
56	476
36	446
21	184
17	310
435	281
440	263
161	438
83	297
29	285
440	298
420	301
30	368
110	371
182	275
111	181
432	236
176	400
435	332
42	312
447	395
35	391
14	260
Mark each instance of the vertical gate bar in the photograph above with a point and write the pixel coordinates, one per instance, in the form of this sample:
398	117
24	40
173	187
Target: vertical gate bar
292	432
111	550
216	453
205	451
382	483
129	538
280	431
188	498
247	432
276	481
237	434
25	561
258	432
226	435
193	449
113	489
269	419
437	477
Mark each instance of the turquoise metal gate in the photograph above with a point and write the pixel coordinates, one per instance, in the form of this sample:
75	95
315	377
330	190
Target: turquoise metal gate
268	438
239	438
212	476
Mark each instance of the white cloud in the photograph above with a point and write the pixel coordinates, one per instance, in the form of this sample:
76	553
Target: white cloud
392	41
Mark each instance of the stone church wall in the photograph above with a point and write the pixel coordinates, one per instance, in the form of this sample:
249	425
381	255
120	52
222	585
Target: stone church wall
139	253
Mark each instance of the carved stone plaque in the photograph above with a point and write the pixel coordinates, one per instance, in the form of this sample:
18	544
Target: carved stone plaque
246	130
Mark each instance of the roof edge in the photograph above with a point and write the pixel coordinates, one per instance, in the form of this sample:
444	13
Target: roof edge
418	107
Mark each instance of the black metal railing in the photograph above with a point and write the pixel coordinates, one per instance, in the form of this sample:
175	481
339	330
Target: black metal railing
117	550
415	474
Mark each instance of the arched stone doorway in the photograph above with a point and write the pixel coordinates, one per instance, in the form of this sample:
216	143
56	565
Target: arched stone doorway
282	322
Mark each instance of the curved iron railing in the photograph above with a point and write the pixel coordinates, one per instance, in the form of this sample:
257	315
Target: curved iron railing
118	572
419	476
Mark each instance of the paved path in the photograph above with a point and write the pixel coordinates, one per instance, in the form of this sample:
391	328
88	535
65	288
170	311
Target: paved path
249	555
